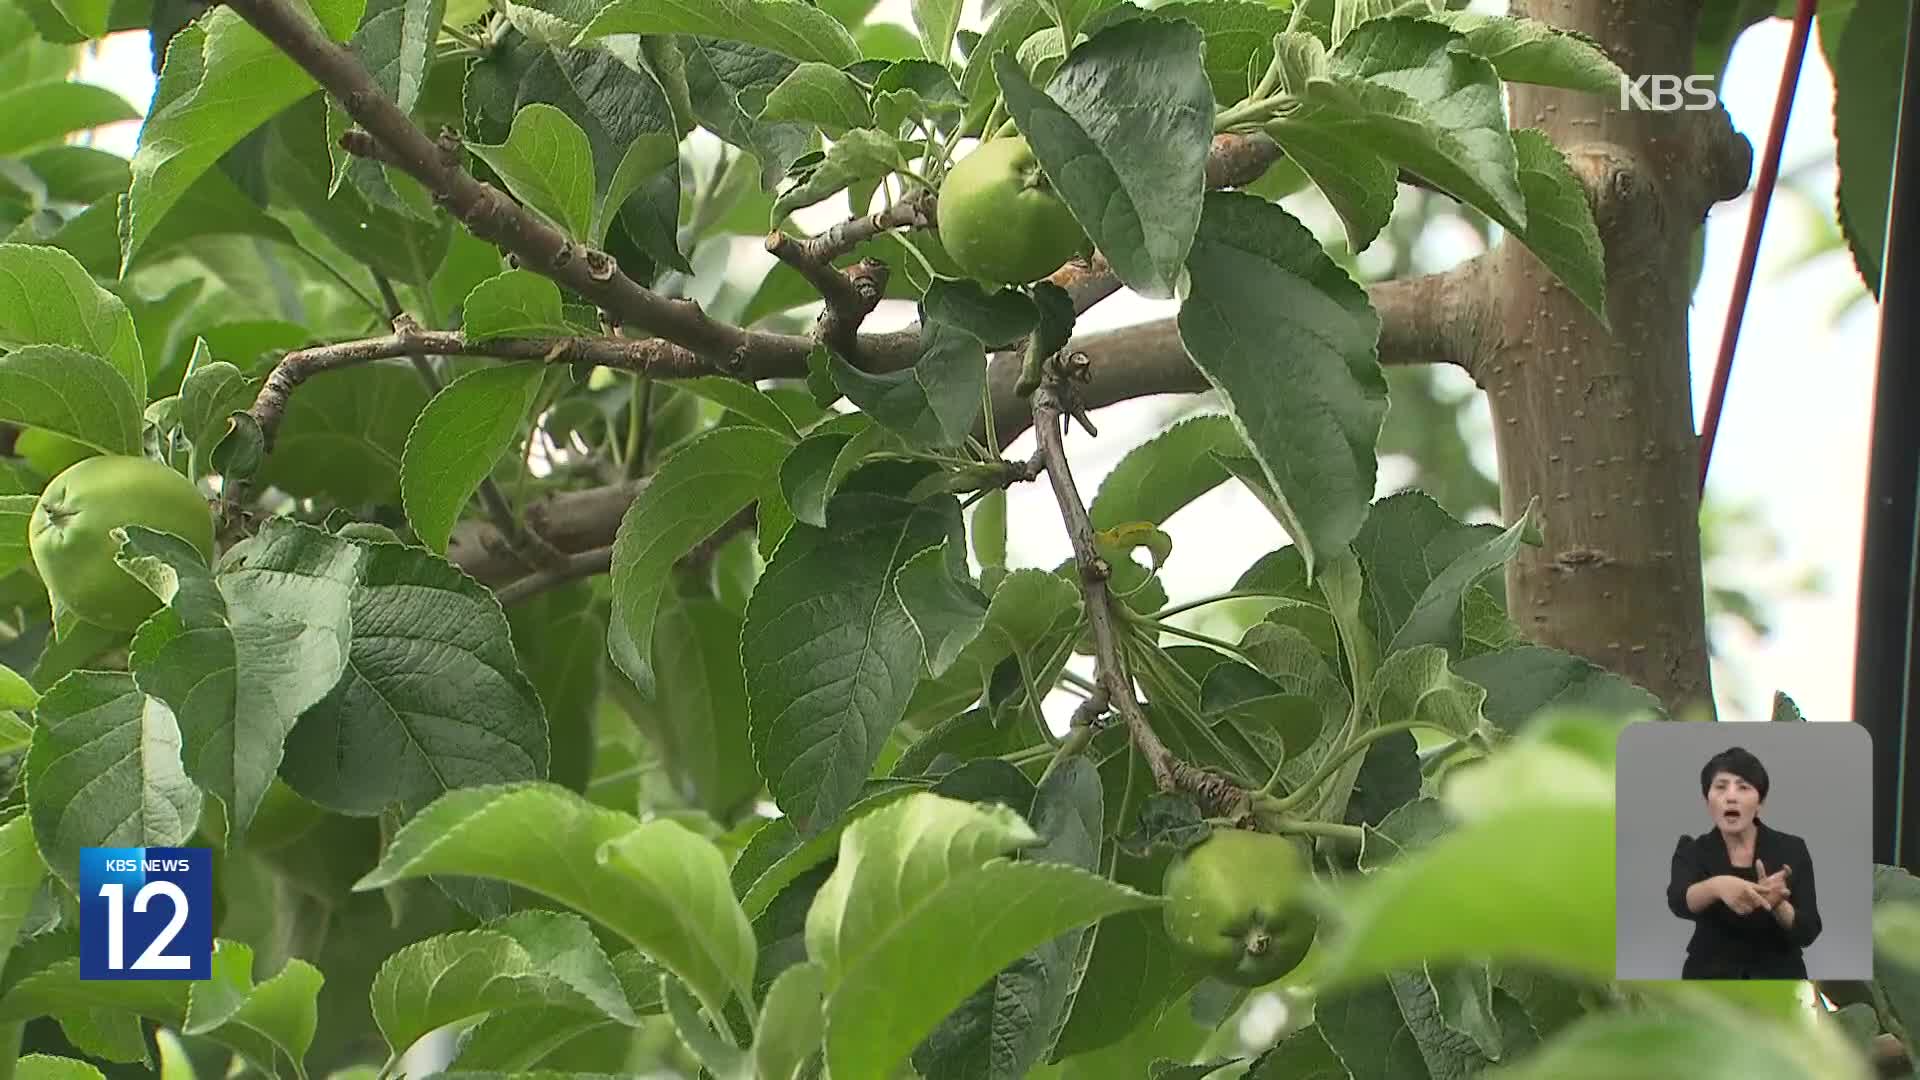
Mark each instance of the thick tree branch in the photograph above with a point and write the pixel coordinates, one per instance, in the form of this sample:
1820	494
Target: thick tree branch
1434	318
1113	684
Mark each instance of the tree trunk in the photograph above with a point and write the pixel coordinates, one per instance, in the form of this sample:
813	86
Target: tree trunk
1599	425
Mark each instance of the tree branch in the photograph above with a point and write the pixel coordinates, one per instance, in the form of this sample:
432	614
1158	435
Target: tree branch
850	294
1113	684
570	568
489	213
1434	318
915	210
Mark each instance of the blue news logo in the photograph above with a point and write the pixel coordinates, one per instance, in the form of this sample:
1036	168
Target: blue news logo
146	913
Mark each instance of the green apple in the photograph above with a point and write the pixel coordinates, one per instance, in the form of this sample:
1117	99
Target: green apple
1234	903
71	533
1000	218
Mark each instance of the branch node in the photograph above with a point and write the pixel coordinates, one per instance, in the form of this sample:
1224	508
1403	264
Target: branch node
562	257
449	145
600	265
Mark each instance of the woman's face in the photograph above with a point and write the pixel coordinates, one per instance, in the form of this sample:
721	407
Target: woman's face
1732	802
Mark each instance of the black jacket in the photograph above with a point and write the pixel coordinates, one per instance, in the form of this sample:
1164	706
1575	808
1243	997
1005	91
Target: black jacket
1727	945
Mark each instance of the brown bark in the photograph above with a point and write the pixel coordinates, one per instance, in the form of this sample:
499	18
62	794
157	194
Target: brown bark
1598	422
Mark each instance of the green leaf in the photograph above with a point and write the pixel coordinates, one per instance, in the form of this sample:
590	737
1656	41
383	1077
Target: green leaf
698	714
1417	685
1866	120
16	693
1531	883
1723	1044
21	873
560	637
1564	757
49	1067
1000	318
1406	90
212	393
777	856
268	1021
395	242
1123	131
518	303
903	907
1410	827
72	393
743	399
1522	681
1437	618
457	441
104	771
241	653
830	653
792	1022
1029	616
1166	472
528	959
719	1056
519	1039
1013	1022
432	696
343	435
724	78
787	27
15	512
658	885
861	155
934	402
822	95
38	115
395	43
268	1024
937	21
47	298
1238	35
945	608
626	113
1300	376
221	80
548	164
694	492
1529	51
1073	15
1359	183
1560	227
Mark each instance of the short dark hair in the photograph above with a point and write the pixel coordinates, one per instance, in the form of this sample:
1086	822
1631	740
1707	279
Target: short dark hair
1739	762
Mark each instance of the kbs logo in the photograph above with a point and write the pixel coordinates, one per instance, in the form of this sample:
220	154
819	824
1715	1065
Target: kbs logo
146	913
1668	93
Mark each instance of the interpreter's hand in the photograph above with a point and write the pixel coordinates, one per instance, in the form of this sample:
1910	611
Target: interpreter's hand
1774	884
1743	896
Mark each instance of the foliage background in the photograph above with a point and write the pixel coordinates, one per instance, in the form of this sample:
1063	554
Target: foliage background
1783	514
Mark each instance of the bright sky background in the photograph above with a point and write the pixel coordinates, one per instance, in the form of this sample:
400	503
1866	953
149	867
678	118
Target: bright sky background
1793	439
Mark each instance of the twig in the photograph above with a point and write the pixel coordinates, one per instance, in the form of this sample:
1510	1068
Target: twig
650	356
570	568
915	210
1113	685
